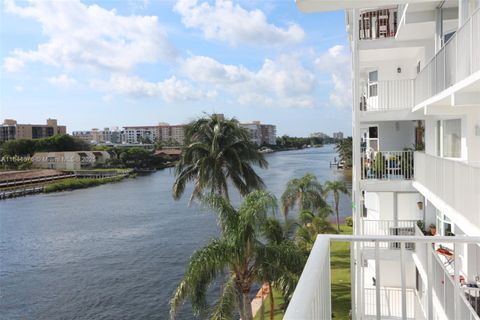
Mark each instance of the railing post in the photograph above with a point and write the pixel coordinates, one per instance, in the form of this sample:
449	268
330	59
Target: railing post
429	282
456	279
403	280
377	282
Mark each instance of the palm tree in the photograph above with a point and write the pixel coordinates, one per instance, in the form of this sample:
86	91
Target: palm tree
344	150
306	193
217	150
241	254
311	226
277	233
336	187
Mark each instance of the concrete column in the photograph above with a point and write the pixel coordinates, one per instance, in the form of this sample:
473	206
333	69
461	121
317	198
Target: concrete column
357	297
438	29
462	12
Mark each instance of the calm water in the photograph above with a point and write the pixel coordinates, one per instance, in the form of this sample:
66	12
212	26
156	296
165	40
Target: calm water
115	251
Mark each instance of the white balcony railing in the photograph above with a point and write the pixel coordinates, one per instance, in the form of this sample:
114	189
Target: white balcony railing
455	61
387	165
455	182
388	95
312	296
389	228
390	302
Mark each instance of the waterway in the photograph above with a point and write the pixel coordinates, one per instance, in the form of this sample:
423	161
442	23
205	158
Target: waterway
116	251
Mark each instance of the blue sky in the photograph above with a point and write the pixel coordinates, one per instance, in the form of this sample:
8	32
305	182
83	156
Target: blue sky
95	64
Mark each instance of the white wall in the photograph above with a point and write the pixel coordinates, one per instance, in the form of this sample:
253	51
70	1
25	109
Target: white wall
472	140
380	206
407	206
396	135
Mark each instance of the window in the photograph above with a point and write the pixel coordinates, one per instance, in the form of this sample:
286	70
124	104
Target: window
452	138
449	138
372	83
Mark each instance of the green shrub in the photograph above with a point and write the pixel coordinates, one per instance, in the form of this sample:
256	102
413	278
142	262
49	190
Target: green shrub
349	221
78	183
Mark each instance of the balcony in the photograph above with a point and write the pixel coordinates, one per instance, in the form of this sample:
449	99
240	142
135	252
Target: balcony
388	228
378	24
454	62
312	296
387	165
388	95
456	183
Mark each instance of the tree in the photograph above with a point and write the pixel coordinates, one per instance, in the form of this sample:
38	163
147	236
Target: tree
218	150
344	150
241	254
306	193
336	187
278	233
310	226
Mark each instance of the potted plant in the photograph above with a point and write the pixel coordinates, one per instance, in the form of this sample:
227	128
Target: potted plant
433	229
421	226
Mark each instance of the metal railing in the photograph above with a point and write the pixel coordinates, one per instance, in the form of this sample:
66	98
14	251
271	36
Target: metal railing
387	165
390	302
388	95
312	296
455	182
455	61
389	228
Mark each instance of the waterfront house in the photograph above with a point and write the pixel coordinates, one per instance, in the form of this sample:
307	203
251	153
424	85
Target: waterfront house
69	160
415	251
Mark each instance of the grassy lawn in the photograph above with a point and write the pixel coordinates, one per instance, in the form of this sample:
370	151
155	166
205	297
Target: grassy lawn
340	266
278	314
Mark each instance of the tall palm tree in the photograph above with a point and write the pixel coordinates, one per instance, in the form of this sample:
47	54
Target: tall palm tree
310	226
336	187
306	193
278	233
344	150
240	253
217	150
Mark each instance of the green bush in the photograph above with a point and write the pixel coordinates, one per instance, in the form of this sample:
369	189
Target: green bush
349	221
78	183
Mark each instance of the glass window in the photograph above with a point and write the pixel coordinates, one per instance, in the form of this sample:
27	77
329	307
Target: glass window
373	76
452	138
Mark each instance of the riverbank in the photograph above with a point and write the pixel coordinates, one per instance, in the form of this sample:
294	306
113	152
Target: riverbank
79	183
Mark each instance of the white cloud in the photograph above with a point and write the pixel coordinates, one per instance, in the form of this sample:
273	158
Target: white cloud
283	82
336	62
170	90
89	36
230	22
18	88
62	80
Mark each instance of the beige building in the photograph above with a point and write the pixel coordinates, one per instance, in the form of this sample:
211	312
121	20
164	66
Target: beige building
69	160
11	130
261	134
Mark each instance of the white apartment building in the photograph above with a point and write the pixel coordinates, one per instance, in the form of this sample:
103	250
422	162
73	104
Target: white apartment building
261	134
416	155
96	136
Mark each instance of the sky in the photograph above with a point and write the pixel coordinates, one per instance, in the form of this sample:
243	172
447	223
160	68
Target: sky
96	64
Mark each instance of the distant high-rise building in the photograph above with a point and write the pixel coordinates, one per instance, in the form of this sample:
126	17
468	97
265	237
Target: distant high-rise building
338	135
320	135
261	134
11	130
107	135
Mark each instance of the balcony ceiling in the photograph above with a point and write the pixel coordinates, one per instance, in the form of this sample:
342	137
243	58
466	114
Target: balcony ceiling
418	20
367	57
309	6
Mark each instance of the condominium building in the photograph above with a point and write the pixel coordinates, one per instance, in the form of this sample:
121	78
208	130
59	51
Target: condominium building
163	132
96	136
338	135
261	134
415	251
11	130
